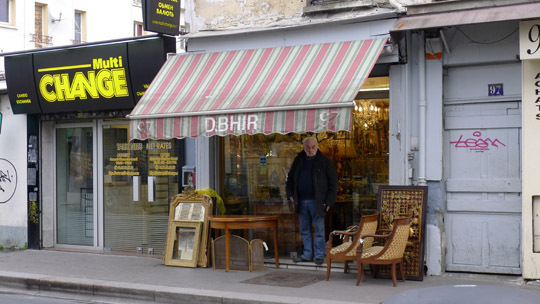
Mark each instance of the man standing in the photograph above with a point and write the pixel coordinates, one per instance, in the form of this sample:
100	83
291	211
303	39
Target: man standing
312	187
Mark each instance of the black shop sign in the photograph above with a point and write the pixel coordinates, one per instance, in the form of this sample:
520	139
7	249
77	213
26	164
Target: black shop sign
92	78
162	16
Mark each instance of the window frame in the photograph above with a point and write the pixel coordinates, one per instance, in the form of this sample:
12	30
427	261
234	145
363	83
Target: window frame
41	37
81	31
136	26
9	12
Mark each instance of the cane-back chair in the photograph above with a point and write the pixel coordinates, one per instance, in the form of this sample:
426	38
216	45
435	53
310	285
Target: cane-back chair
391	253
351	240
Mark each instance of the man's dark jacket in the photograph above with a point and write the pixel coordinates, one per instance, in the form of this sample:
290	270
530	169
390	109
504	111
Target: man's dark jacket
324	181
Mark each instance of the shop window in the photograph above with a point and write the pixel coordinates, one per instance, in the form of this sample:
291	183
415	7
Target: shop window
254	168
139	180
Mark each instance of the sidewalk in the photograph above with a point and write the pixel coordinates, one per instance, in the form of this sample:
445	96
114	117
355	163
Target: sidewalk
135	279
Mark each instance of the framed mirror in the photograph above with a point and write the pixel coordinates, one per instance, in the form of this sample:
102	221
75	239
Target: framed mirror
183	244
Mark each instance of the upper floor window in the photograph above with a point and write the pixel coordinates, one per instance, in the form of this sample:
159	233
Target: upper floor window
79	22
40	37
137	29
5	11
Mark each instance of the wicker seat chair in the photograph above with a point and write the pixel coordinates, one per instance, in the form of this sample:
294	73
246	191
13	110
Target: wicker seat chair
351	240
391	253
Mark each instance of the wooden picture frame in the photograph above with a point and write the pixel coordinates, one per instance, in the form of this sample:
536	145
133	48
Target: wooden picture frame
405	201
189	207
183	244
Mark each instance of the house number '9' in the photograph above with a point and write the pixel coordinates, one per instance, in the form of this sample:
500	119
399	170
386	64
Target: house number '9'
534	37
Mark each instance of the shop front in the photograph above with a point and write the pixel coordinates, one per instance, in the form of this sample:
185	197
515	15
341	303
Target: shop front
95	189
484	212
261	102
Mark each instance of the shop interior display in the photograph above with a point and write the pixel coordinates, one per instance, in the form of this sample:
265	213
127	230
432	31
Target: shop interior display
254	170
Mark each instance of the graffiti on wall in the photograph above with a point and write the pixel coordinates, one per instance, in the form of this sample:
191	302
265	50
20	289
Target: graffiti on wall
8	180
477	143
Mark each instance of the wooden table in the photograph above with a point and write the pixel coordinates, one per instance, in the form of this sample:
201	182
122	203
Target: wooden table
228	222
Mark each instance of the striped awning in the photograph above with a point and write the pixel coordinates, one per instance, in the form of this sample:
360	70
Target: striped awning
274	90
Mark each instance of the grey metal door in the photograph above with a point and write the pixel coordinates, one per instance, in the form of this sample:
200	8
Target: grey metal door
482	165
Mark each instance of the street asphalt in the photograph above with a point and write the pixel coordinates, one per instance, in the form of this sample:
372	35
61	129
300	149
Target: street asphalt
112	278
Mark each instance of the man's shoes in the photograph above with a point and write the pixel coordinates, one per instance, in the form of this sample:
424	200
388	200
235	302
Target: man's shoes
319	262
300	260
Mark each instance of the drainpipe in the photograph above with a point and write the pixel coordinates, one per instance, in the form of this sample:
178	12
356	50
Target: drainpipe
422	104
409	174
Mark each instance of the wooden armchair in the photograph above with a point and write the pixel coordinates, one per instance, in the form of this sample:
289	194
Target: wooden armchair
351	240
390	253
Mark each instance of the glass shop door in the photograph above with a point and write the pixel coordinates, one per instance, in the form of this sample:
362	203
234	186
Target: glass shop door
76	216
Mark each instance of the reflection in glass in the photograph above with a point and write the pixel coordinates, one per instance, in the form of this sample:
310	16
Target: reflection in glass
74	186
189	212
185	241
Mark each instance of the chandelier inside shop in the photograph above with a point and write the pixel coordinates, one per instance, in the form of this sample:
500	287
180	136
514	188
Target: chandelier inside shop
367	114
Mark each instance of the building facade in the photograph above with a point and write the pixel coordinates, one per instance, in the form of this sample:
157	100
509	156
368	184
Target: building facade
455	116
50	158
249	170
442	104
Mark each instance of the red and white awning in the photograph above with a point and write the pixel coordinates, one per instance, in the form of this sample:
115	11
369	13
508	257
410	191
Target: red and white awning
274	90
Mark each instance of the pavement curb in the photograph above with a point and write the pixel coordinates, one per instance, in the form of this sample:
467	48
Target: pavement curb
107	291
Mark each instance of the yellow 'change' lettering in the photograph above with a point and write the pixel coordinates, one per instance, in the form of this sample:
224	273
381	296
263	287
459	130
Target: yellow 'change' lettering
107	83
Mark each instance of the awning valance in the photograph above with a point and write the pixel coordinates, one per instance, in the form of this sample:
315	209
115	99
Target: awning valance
465	17
274	90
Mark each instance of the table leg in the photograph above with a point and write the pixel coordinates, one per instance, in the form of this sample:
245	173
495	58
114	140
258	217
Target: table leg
276	254
227	248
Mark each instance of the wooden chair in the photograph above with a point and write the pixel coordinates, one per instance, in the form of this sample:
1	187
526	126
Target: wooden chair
351	240
391	253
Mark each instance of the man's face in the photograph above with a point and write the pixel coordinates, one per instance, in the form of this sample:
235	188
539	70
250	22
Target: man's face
310	147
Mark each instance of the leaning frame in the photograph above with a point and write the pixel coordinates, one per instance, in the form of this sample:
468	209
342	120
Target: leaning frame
183	242
189	207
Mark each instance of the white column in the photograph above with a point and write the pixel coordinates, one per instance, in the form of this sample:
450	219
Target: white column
202	162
